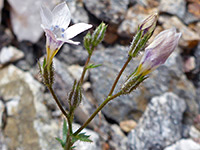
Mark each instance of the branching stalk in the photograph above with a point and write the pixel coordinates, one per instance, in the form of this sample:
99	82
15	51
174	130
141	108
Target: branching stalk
119	75
109	98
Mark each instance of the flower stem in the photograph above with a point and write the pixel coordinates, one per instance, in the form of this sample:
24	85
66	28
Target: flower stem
58	103
119	75
84	70
97	111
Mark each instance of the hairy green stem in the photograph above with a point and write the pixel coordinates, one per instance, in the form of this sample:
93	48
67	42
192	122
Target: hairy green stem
119	75
58	102
109	98
85	67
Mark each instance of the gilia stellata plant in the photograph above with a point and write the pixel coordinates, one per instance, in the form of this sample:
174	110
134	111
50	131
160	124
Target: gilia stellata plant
55	24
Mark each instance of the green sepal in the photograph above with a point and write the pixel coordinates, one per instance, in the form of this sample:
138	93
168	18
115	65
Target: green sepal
132	83
90	66
98	34
135	41
40	68
44	62
51	74
65	131
87	43
71	94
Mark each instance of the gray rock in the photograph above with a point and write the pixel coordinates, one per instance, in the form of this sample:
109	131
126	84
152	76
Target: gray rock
184	144
63	80
160	125
112	11
23	96
190	18
168	77
25	21
177	8
76	71
72	55
130	25
196	72
118	138
78	12
2	110
189	38
10	54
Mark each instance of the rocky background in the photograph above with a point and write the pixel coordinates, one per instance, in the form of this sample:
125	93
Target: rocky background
162	114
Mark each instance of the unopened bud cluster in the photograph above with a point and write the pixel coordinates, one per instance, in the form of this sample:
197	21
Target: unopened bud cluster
91	41
47	73
145	31
75	96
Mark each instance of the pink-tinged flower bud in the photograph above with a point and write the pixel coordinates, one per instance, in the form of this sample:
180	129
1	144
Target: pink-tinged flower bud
149	24
145	31
158	51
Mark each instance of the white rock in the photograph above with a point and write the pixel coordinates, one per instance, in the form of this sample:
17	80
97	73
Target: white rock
184	144
25	18
1	6
3	145
11	74
194	133
12	106
45	131
10	54
87	145
78	12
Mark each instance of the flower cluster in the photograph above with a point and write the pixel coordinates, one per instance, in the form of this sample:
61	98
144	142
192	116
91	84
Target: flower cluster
155	55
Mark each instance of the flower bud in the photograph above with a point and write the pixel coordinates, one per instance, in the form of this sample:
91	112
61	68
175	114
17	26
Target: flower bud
145	30
132	83
87	42
75	96
47	73
158	51
149	24
98	34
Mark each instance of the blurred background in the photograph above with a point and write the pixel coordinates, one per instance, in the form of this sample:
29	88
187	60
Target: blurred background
162	114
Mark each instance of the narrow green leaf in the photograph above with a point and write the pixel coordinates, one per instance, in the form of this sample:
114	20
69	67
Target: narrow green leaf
90	66
62	143
65	130
82	137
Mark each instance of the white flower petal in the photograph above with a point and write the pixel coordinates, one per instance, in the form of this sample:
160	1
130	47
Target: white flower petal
46	17
76	29
72	42
61	15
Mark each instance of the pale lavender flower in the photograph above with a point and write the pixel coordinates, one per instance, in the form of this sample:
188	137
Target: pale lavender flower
55	24
158	51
